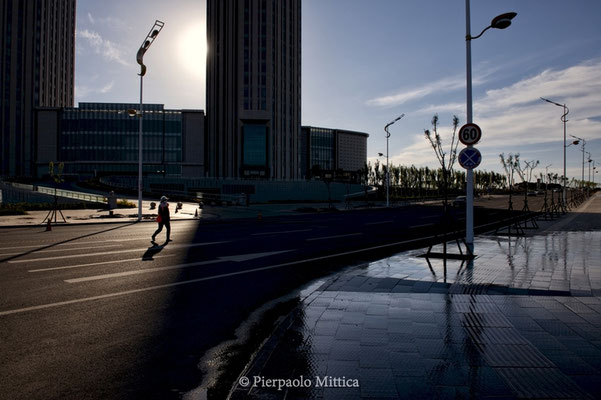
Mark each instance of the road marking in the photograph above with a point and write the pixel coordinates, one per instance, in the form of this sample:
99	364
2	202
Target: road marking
181	283
280	232
129	239
379	222
335	237
63	250
421	226
98	263
59	244
178	246
236	258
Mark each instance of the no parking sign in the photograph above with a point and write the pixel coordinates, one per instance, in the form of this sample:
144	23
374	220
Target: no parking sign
470	158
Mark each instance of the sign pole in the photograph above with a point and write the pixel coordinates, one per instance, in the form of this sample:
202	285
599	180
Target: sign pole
470	158
469	195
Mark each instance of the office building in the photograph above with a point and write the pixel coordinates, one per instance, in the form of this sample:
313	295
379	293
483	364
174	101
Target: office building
102	139
253	89
36	70
338	153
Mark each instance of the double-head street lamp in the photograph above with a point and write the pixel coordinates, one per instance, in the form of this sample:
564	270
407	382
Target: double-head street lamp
387	164
589	160
152	35
583	142
499	22
566	111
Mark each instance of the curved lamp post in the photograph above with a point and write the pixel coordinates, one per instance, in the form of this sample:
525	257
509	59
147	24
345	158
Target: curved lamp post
387	165
154	32
499	22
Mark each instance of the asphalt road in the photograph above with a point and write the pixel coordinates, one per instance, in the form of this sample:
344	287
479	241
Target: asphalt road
96	312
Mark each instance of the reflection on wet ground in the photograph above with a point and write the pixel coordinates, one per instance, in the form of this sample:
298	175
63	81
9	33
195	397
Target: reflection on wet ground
520	321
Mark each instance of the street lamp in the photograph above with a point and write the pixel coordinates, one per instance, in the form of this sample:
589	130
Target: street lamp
583	146
152	34
499	22
589	165
387	164
566	111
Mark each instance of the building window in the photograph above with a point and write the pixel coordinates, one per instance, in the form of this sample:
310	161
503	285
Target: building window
255	145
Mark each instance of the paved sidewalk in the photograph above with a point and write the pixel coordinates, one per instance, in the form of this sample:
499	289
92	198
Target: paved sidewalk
523	320
126	215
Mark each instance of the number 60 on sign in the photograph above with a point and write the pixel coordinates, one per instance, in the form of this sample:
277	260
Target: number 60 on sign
470	134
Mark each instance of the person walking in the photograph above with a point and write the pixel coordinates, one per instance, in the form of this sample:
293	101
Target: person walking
163	219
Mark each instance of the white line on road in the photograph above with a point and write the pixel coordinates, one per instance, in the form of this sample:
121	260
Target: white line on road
63	250
44	246
174	284
98	263
431	217
335	237
379	222
421	226
280	232
236	258
182	246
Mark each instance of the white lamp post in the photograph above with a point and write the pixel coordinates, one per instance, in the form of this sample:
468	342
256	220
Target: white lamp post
154	32
583	143
499	22
566	110
589	160
387	164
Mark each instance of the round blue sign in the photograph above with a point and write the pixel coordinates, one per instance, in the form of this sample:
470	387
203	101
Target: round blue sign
470	158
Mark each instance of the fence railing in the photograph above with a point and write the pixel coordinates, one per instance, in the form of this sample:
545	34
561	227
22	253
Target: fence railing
94	198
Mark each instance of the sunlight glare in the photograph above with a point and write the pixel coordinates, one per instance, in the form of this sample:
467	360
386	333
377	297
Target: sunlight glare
193	51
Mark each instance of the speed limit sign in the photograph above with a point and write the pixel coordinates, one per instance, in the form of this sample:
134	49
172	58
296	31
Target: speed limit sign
470	134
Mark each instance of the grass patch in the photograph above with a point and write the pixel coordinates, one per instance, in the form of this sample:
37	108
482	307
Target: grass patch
24	207
235	357
11	209
123	203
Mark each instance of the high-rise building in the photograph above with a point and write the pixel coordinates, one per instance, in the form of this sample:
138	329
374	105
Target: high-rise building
253	89
37	64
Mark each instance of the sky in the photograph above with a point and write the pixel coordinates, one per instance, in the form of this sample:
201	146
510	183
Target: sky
365	62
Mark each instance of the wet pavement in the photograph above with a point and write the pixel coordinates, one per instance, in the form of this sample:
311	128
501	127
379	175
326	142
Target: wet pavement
522	320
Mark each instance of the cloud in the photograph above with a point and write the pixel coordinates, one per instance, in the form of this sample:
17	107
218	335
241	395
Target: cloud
107	88
515	119
84	91
404	96
107	49
440	86
516	114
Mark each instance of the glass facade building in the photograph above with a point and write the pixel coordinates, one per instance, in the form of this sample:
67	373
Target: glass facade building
105	132
322	153
335	152
102	138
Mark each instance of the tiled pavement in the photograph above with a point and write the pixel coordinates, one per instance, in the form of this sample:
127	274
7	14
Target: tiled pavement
522	321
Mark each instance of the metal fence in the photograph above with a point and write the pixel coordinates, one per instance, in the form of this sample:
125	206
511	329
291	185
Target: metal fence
93	198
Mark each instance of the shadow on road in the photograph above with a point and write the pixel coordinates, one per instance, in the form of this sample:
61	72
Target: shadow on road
152	251
63	242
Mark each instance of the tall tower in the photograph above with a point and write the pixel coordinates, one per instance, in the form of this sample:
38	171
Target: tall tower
253	88
37	61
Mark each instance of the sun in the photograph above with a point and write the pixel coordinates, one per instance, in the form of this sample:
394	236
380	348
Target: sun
192	50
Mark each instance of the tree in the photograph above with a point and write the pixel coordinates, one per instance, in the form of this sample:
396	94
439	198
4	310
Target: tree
446	160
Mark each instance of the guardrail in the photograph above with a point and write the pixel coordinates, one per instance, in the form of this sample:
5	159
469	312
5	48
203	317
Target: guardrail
94	198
